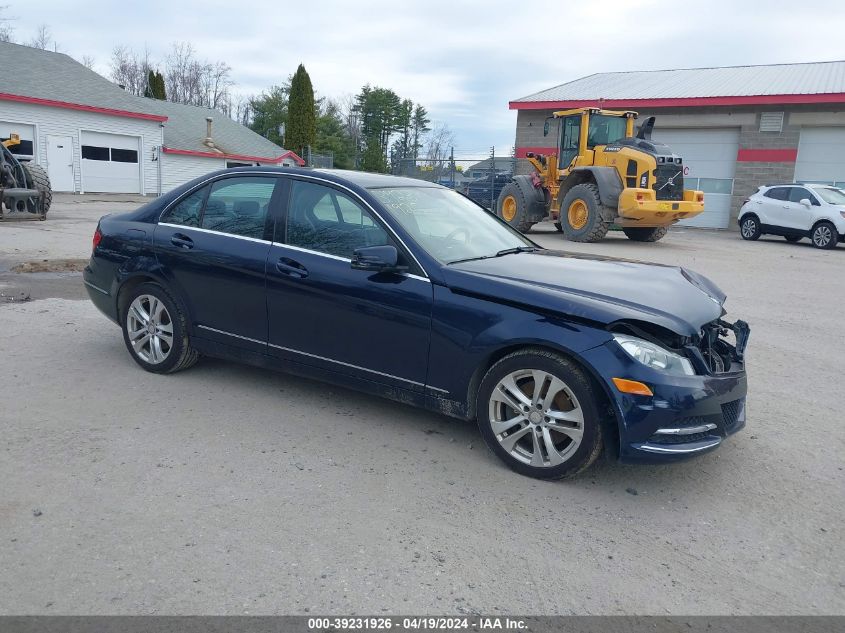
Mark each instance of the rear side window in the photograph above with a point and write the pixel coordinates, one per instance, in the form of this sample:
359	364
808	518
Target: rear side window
797	194
778	193
239	205
187	211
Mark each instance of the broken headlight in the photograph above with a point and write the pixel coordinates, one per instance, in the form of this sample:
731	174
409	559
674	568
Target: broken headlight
655	356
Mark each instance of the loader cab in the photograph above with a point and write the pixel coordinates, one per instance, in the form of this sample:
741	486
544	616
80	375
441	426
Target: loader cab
584	129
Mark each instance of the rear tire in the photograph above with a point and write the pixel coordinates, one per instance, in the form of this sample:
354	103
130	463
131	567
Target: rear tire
40	181
512	207
749	228
646	234
548	432
824	235
581	214
159	344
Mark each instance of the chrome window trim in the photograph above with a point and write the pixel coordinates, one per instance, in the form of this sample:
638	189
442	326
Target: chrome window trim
213	232
338	258
290	176
437	389
345	364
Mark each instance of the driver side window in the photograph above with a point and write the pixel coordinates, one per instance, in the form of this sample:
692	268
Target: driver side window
570	138
325	220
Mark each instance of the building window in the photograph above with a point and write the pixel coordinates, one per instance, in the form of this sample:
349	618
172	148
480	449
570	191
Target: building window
91	152
124	155
24	148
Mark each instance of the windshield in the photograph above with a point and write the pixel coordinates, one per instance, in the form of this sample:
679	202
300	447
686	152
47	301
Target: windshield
830	195
447	225
605	129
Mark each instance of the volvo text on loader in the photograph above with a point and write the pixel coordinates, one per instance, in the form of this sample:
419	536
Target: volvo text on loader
602	174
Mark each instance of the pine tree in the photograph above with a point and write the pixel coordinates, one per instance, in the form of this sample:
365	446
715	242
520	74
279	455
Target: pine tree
302	123
150	88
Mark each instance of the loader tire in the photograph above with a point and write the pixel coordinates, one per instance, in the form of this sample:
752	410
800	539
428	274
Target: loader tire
581	214
512	207
650	234
40	181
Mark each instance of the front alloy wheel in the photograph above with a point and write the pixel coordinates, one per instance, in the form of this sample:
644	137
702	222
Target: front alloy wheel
537	411
750	228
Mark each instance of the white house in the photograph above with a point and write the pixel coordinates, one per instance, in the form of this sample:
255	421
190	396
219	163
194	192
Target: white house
92	136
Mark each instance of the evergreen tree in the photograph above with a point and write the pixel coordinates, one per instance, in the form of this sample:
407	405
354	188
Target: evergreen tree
302	124
269	112
149	89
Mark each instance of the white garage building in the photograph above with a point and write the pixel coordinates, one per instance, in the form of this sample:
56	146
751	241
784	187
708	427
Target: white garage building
92	136
736	128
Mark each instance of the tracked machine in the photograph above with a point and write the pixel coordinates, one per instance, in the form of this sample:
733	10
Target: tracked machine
24	186
602	174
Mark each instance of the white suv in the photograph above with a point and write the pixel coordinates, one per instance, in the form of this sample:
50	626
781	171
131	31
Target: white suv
795	211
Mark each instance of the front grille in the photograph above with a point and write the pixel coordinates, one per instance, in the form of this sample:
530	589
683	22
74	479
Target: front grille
669	182
731	411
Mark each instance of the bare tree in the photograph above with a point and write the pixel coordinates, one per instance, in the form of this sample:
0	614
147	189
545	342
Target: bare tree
439	143
42	38
197	82
6	28
130	70
88	62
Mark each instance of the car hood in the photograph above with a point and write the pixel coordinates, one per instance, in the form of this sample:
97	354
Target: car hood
593	288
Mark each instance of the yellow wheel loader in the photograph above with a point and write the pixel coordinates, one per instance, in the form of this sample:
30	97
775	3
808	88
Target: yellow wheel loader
601	174
25	191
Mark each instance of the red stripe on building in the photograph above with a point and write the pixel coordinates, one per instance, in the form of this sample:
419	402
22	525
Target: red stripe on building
78	106
520	152
789	155
686	102
255	159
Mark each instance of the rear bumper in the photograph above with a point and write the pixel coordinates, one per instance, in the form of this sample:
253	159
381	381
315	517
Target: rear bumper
648	211
686	416
101	297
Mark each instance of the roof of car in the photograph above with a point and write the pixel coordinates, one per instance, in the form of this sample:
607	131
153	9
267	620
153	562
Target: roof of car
375	181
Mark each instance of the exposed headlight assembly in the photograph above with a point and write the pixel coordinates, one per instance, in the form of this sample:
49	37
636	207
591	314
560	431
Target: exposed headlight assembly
655	356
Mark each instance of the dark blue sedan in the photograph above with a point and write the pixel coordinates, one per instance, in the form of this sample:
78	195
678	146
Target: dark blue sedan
408	290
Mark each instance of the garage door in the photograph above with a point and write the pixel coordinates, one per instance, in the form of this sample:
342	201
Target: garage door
110	163
26	148
821	155
709	165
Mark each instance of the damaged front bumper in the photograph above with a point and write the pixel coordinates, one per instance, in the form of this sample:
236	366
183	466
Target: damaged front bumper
686	415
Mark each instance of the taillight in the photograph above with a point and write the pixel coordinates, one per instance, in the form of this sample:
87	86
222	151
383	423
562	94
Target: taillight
98	237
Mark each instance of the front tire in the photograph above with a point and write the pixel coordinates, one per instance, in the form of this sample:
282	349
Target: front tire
824	235
646	234
40	181
155	330
581	214
537	412
749	228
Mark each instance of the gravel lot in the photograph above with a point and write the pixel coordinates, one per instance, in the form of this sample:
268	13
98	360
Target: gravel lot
229	490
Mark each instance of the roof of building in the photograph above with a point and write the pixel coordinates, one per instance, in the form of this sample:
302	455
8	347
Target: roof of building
815	82
502	164
32	75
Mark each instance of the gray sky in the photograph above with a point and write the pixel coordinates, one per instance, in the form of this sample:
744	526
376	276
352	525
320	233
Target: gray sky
463	60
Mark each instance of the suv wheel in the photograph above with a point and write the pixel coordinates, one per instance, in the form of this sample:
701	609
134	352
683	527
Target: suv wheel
537	411
824	235
749	228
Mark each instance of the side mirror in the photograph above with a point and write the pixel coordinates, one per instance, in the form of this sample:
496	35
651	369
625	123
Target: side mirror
806	202
377	259
546	128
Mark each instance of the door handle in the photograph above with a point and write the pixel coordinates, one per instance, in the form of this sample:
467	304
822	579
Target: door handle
291	267
182	241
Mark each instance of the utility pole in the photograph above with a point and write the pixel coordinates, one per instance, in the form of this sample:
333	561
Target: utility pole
452	167
492	176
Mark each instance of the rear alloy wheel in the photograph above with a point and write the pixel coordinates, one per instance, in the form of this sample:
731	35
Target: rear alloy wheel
581	214
537	412
645	234
749	228
824	235
155	331
512	207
